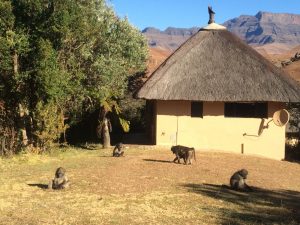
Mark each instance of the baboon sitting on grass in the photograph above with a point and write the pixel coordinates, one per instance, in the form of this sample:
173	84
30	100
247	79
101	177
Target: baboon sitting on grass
60	180
118	150
238	181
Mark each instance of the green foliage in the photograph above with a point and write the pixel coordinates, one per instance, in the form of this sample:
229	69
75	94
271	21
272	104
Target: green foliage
52	83
67	57
14	44
49	124
133	111
118	52
294	110
125	124
8	135
7	18
293	151
111	106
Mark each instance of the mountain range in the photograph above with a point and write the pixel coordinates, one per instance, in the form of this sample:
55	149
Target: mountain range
279	31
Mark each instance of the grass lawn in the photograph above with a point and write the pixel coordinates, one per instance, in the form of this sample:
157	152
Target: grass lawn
145	187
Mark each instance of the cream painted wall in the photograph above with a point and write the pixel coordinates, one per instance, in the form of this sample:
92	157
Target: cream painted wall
214	131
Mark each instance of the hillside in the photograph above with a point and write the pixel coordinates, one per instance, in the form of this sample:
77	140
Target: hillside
294	68
157	56
277	59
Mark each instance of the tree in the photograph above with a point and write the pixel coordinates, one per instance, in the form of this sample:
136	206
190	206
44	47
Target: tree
111	51
66	56
103	51
294	109
14	45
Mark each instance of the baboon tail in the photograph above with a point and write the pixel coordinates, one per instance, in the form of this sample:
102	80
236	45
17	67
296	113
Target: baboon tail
194	154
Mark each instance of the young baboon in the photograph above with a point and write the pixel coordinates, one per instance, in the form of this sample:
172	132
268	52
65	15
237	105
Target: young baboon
118	150
183	152
60	180
238	181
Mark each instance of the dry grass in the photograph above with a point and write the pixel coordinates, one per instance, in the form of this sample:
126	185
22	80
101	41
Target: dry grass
145	187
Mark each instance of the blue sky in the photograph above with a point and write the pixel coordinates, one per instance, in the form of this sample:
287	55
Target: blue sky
188	13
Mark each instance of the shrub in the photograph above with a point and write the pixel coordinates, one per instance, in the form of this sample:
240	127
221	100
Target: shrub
49	124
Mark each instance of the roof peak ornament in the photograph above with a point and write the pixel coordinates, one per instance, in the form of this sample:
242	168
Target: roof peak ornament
211	15
212	25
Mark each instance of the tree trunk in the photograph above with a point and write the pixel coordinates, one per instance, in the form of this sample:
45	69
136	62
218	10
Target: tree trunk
105	133
16	65
22	126
21	108
2	147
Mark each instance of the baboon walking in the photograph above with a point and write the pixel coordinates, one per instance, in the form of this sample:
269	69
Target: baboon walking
238	181
60	180
118	150
183	152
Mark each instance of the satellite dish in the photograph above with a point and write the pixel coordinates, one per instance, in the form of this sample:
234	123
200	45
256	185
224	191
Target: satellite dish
261	127
281	117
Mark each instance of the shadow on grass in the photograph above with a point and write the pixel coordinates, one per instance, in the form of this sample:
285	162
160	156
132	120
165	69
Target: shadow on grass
87	147
261	206
91	146
42	186
157	160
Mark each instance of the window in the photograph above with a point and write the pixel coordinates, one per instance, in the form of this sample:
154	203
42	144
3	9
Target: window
197	109
246	110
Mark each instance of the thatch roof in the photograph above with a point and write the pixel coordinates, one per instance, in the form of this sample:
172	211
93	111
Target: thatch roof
215	65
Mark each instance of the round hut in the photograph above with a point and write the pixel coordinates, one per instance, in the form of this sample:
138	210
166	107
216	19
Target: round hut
216	92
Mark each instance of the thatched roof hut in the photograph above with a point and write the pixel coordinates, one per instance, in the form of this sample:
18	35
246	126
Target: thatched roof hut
215	65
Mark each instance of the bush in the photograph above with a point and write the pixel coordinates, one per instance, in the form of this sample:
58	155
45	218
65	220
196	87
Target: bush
49	124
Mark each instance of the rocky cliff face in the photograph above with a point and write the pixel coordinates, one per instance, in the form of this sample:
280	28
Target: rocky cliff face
169	39
263	28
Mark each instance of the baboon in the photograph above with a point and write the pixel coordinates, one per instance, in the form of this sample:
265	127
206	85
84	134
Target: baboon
118	150
238	181
60	180
190	155
186	153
